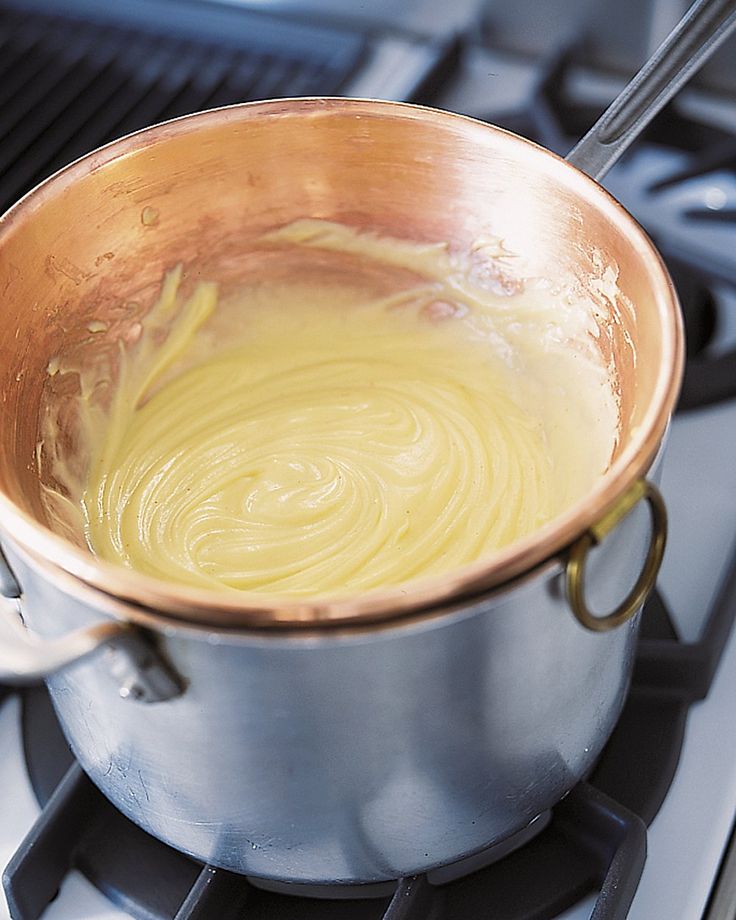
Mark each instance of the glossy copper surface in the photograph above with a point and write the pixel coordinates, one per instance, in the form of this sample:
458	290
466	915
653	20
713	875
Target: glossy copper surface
100	234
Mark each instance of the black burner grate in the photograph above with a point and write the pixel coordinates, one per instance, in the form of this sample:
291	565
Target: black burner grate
591	841
69	84
595	838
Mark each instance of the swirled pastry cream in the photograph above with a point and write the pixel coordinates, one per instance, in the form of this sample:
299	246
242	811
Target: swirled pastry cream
310	436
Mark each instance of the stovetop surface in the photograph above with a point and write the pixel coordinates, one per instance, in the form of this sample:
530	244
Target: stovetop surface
687	837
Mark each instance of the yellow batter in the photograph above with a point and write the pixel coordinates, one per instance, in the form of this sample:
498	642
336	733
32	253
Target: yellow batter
340	441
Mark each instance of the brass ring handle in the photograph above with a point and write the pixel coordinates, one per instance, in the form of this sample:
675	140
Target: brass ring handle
575	569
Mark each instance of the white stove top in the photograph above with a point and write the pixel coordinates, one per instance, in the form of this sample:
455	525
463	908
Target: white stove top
687	838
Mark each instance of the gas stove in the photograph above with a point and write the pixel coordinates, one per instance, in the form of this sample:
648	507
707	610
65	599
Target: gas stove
649	834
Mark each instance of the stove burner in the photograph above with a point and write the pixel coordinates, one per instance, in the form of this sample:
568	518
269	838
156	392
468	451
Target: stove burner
679	181
80	828
595	838
699	307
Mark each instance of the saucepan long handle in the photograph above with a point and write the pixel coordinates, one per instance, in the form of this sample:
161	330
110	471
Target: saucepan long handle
701	30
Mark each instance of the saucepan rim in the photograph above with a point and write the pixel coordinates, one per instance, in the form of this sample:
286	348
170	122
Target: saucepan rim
128	594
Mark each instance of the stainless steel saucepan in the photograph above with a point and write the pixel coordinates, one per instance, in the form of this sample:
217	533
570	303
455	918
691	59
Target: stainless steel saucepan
374	736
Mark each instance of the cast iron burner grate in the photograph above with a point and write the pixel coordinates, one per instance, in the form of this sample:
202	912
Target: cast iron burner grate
679	181
595	838
70	83
77	74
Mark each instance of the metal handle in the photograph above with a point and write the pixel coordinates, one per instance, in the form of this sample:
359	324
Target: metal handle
24	657
701	30
575	570
133	661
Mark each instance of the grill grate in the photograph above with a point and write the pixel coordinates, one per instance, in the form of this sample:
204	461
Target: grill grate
69	84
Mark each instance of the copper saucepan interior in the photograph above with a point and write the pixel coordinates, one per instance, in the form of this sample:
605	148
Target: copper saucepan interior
100	235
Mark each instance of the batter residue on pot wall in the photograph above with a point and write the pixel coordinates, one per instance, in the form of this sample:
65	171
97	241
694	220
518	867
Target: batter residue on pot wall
337	439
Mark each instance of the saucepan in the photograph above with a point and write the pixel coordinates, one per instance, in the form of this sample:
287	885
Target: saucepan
368	737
